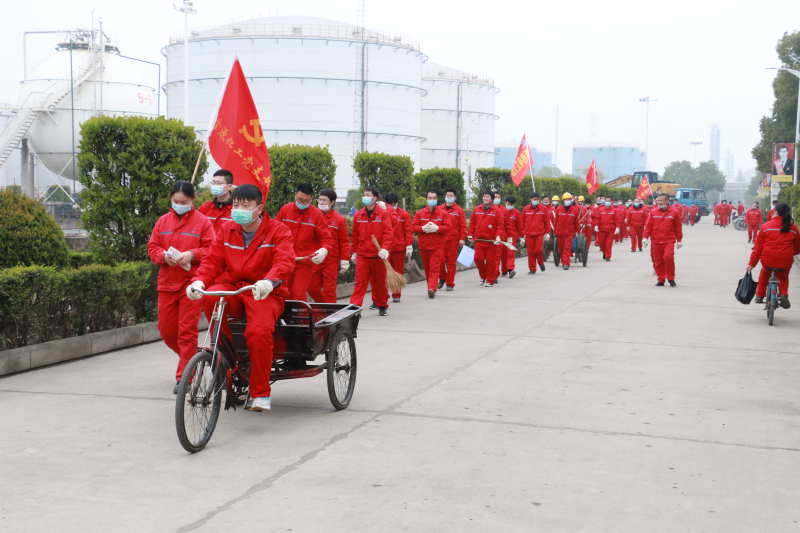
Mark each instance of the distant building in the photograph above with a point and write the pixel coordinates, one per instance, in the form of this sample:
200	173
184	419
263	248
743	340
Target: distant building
504	155
713	145
613	160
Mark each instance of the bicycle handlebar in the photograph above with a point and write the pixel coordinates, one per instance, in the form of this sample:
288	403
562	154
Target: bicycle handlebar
225	293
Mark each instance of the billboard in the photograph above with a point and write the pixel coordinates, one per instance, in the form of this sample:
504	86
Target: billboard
782	162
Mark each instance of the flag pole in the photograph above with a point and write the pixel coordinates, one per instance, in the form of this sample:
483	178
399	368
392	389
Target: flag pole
530	159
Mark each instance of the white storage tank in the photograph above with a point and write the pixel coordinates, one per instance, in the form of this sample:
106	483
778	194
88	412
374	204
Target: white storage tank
303	75
457	105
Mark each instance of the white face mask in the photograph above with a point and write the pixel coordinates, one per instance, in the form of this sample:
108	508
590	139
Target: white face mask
324	207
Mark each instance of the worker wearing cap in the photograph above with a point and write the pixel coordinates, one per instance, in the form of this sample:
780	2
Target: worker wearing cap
514	232
567	225
586	219
538	224
637	217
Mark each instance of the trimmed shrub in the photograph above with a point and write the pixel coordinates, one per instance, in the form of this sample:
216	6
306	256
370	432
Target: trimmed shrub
28	235
293	164
387	173
439	180
80	259
790	195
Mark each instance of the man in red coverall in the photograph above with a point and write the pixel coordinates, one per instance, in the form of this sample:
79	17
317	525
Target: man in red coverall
693	211
771	212
716	214
485	223
371	220
567	225
586	219
664	229
218	210
754	221
538	225
514	230
324	277
402	238
620	214
724	213
498	199
456	236
605	227
637	217
253	250
739	208
431	224
312	238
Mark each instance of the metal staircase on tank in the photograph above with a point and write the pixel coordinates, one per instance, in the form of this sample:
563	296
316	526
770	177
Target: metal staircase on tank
42	102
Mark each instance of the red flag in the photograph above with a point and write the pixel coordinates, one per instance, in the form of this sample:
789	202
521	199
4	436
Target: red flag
522	163
237	140
592	185
644	189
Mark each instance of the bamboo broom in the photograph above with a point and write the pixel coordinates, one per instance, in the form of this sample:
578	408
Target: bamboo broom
504	243
393	279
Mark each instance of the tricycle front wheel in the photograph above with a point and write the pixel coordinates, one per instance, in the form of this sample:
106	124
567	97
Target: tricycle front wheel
342	365
198	402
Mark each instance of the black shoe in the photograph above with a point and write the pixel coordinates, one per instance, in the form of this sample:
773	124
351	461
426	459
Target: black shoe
394	301
531	272
640	249
541	266
607	258
660	284
382	311
604	256
449	288
565	267
504	274
759	299
783	301
672	283
634	250
512	273
175	390
481	282
748	241
373	306
441	283
431	293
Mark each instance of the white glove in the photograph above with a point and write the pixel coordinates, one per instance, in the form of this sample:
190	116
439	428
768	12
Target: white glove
680	245
353	257
432	228
546	237
628	229
262	289
382	205
319	256
511	240
383	254
344	266
497	239
646	242
597	229
192	294
409	251
616	231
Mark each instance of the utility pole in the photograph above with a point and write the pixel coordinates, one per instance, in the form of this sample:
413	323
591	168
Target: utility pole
647	101
187	9
695	144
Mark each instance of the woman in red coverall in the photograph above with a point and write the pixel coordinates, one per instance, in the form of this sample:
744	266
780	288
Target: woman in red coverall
776	245
754	222
191	234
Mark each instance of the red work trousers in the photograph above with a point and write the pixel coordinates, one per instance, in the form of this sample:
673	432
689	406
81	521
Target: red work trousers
691	219
752	232
605	239
486	260
507	259
300	280
322	286
398	262
565	243
664	260
535	245
370	271
763	279
447	272
588	230
177	323
637	234
261	318
432	263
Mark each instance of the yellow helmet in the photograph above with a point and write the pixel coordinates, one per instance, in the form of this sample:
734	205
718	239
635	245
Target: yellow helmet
566	196
555	198
581	199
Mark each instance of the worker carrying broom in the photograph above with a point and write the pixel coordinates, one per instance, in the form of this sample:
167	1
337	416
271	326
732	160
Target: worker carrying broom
371	221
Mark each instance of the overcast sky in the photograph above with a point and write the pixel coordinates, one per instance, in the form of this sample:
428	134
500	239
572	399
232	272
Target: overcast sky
704	61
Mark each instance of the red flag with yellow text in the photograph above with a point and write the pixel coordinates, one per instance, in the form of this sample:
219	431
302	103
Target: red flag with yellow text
522	163
592	184
237	140
644	189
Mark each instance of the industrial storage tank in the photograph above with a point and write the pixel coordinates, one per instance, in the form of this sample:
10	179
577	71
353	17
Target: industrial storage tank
457	118
104	84
304	73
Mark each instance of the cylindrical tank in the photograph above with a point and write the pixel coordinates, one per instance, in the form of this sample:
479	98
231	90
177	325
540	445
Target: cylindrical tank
457	118
303	73
123	91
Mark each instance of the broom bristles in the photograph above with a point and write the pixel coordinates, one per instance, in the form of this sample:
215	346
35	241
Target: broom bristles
394	280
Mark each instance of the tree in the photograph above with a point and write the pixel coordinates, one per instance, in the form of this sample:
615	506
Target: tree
387	173
439	180
127	166
550	172
707	177
679	172
352	198
490	179
293	164
56	194
28	235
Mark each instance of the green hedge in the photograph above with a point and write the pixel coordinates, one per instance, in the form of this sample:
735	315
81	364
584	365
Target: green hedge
40	304
293	164
387	173
439	180
790	195
28	235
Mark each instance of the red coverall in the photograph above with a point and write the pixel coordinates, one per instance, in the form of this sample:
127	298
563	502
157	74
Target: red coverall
637	218
775	250
565	229
514	229
740	209
693	211
537	225
754	221
431	245
624	230
486	223
664	228
716	214
370	269
725	214
456	233
620	214
606	222
310	232
270	255
218	213
324	277
403	236
177	314
586	222
770	214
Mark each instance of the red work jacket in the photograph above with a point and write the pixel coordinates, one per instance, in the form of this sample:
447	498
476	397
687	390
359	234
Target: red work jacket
308	227
431	241
458	228
514	225
365	225
217	213
621	216
740	209
403	234
664	226
773	248
537	219
637	217
270	255
567	220
487	223
753	217
693	210
606	219
337	226
192	231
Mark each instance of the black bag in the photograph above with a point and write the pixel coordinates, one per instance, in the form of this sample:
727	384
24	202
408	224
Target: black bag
746	289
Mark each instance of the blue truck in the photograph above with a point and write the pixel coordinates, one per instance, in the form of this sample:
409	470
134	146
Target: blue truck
690	197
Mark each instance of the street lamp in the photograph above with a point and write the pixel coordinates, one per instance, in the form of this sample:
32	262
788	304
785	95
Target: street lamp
187	9
695	144
797	120
469	167
647	101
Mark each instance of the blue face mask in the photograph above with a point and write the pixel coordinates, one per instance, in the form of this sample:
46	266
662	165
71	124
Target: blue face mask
535	203
636	204
301	206
181	209
567	203
367	200
509	207
431	203
450	201
608	204
218	190
497	201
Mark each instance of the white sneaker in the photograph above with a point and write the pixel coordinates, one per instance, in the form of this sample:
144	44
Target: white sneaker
261	404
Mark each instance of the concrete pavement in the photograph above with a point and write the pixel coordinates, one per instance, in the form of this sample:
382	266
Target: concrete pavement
587	400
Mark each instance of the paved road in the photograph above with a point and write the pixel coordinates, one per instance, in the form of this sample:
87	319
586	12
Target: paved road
586	400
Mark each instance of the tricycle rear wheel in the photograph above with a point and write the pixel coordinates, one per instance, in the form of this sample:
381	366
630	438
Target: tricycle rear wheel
342	366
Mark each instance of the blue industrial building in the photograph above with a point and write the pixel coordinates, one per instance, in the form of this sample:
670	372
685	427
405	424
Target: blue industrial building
505	154
613	160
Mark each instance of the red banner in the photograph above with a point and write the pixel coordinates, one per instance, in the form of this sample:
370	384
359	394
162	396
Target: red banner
644	189
237	140
592	184
522	164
